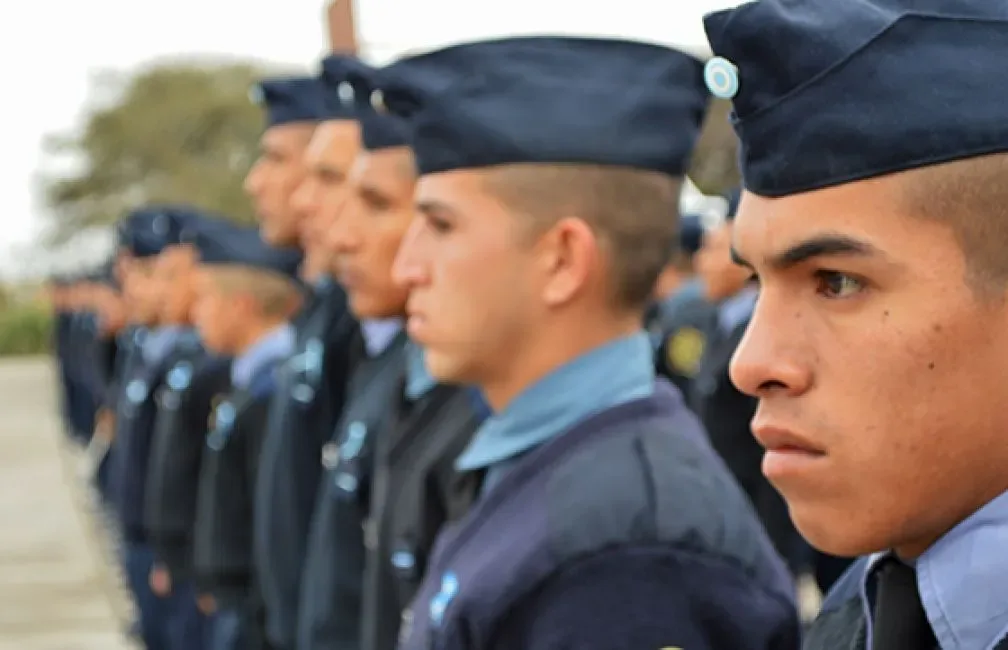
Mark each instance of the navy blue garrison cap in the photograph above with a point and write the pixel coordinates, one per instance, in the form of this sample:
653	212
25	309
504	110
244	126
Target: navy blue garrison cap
356	85
340	100
549	100
147	231
219	241
289	99
828	92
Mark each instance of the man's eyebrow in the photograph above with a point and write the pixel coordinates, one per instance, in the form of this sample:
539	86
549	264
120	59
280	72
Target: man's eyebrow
329	170
827	245
431	207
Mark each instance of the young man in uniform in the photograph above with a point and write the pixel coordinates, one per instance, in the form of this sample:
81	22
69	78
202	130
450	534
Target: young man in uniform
410	493
547	206
180	426
246	297
153	230
309	394
879	340
330	601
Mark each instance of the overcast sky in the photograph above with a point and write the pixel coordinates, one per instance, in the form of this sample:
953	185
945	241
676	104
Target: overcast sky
49	50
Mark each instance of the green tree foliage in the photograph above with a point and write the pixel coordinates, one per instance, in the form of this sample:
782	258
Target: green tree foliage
175	133
25	329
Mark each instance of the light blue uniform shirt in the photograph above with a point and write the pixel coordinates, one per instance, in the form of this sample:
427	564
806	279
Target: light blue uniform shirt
277	344
379	334
419	382
963	581
612	374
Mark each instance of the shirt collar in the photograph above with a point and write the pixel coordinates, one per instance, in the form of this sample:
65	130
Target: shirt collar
963	581
159	342
277	344
379	334
419	381
562	398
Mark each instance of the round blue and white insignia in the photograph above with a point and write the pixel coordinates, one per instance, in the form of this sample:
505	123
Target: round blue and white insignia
225	415
136	391
721	77
378	101
403	560
347	482
256	94
180	376
303	393
346	93
356	434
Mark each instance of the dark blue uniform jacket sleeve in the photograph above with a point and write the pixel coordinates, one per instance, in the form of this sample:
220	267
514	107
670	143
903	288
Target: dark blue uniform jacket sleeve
635	598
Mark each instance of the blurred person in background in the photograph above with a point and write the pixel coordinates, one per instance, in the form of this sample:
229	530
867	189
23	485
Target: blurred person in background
681	314
297	187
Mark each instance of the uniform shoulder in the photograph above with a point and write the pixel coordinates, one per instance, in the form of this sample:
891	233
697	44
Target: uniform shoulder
671	597
656	480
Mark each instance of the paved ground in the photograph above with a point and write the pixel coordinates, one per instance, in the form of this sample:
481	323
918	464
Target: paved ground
57	589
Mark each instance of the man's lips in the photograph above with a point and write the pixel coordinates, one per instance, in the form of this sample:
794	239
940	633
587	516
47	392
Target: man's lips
787	453
776	437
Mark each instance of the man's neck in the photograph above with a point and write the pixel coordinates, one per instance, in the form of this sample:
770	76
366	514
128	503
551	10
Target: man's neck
552	349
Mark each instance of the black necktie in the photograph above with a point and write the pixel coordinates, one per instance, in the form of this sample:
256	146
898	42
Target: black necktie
900	622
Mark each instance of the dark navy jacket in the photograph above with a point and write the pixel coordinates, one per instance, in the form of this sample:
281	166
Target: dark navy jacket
330	605
184	406
85	377
415	491
135	430
222	546
626	531
303	413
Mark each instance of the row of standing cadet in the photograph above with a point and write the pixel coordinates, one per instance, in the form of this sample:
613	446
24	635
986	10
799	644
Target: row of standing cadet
306	517
592	526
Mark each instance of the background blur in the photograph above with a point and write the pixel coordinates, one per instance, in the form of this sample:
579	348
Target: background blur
108	104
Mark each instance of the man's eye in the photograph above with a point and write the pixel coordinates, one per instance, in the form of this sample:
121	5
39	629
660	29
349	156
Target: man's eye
439	226
833	284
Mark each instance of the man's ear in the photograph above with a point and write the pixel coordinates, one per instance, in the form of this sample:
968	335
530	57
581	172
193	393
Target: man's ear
570	254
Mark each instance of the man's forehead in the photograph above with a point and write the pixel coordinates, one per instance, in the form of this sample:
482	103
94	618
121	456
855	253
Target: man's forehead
335	143
464	184
858	210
